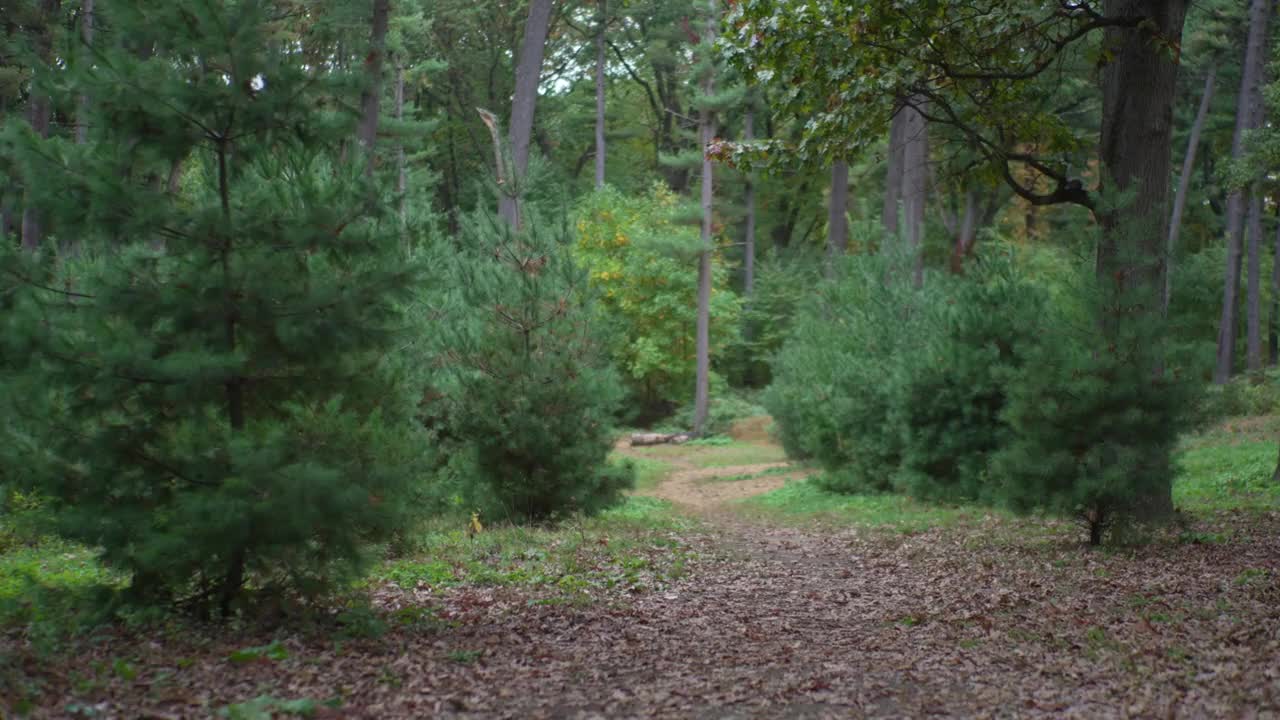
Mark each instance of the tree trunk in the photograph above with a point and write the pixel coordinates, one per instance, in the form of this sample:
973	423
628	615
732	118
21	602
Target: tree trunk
1250	96
706	131
38	112
749	241
965	231
600	146
402	169
371	96
1184	183
915	181
893	178
523	101
1139	87
1253	300
837	217
86	36
1274	339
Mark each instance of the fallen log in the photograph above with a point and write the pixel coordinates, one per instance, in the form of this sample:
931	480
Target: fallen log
642	439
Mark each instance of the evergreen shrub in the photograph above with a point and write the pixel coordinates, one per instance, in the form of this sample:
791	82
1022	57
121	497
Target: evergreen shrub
1094	411
833	392
525	394
214	395
948	398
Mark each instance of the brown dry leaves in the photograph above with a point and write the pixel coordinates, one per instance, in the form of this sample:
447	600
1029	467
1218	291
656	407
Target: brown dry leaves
994	620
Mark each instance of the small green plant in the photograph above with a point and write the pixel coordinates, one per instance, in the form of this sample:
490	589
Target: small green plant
262	653
361	622
267	707
1250	575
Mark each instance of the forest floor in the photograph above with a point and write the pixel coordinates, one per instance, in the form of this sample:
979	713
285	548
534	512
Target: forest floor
734	601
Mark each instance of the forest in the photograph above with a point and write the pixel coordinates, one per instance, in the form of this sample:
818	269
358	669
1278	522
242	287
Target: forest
639	358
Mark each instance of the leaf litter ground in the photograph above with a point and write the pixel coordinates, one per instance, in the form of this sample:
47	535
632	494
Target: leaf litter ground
991	618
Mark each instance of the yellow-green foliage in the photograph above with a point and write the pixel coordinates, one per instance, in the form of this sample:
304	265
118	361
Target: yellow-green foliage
644	261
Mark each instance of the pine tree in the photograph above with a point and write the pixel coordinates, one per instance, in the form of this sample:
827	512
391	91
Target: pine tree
222	405
526	394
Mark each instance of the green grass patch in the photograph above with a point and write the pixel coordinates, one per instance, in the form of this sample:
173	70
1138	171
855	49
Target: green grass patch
52	587
802	499
633	546
650	472
1226	475
773	471
720	454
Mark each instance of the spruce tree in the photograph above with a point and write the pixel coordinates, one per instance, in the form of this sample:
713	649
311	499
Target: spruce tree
213	393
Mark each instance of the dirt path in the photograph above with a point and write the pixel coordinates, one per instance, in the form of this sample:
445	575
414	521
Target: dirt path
777	622
707	488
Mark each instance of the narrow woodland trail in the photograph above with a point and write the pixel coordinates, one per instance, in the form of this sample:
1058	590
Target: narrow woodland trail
778	622
773	621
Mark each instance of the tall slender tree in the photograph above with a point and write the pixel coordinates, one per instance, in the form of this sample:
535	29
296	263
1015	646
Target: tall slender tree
1248	98
915	174
39	110
749	200
523	102
602	21
86	37
837	213
706	133
894	157
371	96
1184	181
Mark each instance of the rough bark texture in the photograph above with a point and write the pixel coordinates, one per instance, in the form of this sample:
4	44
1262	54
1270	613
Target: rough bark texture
86	36
370	98
600	142
1250	96
402	169
915	184
893	178
1274	340
749	199
523	101
837	207
1184	183
1138	90
38	112
1253	299
706	132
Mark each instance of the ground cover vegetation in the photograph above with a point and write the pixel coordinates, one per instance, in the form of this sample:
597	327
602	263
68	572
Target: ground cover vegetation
324	326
